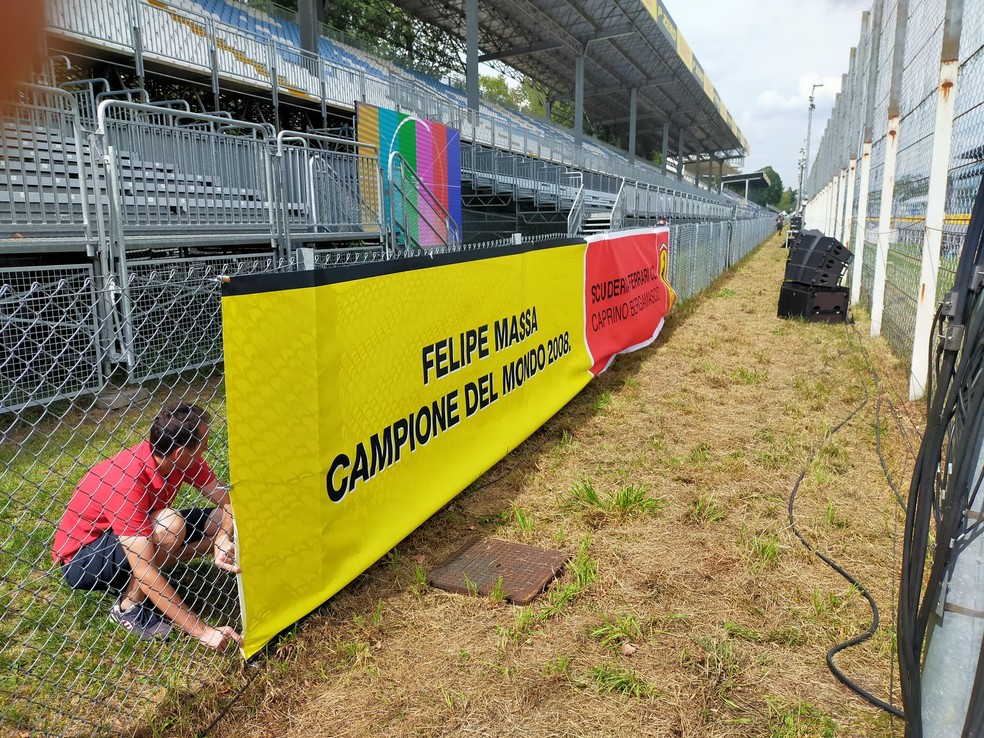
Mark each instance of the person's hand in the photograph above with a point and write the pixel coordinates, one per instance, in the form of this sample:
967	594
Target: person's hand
225	554
219	639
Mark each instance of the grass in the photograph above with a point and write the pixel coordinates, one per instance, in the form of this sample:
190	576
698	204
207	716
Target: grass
715	662
762	550
705	509
626	501
618	679
612	633
797	720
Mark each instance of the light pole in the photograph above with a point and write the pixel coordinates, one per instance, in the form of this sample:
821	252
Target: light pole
800	163
809	124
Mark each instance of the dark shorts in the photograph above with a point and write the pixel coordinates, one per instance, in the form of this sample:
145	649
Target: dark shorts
102	564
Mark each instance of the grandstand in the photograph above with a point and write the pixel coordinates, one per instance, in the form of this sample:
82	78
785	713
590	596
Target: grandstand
235	47
99	179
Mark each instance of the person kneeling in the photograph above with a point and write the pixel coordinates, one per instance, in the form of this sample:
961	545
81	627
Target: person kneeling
119	532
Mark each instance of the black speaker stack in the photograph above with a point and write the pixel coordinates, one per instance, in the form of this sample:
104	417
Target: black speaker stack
811	288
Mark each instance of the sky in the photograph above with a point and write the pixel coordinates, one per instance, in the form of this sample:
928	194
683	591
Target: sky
763	56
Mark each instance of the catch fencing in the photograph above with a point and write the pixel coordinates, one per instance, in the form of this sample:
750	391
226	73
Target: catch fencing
900	162
92	350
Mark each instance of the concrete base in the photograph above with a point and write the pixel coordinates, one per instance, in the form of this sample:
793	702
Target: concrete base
123	398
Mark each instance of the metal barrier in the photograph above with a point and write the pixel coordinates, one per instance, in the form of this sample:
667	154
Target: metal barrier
45	180
418	219
158	176
188	178
58	648
332	188
157	30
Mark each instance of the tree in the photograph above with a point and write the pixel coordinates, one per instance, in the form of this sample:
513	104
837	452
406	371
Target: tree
390	32
788	201
495	89
771	194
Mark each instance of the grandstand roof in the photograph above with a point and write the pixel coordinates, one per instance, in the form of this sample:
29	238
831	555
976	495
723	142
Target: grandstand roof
626	43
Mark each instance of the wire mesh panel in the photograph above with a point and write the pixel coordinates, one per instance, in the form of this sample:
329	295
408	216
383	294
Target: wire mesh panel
868	274
967	145
909	202
683	251
180	173
871	222
65	667
43	177
901	291
175	312
48	335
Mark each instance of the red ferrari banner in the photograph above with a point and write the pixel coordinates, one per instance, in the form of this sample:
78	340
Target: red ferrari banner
626	292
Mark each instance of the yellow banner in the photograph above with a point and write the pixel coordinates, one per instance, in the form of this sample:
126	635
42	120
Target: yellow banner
361	399
358	408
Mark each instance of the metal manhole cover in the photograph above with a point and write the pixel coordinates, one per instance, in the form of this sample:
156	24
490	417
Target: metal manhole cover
525	570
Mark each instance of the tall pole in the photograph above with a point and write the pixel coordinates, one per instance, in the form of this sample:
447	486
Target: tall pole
809	125
799	189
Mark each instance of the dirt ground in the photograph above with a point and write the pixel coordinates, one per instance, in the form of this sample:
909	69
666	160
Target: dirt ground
690	608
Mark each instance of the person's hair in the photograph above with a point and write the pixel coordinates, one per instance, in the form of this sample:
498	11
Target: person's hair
177	426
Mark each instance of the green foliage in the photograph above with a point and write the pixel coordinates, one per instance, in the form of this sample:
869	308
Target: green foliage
628	501
737	631
788	201
494	88
614	678
391	32
612	633
772	194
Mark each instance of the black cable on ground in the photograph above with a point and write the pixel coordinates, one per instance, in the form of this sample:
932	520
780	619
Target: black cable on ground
841	677
229	705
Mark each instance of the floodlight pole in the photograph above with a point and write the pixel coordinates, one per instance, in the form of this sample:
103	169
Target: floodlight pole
809	125
800	163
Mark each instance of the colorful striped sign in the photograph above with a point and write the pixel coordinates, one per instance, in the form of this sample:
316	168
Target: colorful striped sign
433	151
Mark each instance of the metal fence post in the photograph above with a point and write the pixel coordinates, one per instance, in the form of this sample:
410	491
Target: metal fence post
862	220
133	10
946	95
213	55
845	231
888	177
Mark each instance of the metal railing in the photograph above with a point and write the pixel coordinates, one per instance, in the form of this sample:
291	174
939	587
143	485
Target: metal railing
418	219
575	219
159	31
332	188
45	182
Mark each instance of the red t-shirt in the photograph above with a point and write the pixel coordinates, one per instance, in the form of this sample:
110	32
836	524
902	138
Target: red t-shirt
119	494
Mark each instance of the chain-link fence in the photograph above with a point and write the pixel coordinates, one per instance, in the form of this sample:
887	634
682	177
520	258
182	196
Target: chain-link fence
124	220
913	99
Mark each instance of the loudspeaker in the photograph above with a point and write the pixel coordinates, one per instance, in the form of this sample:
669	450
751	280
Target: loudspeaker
816	305
816	259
